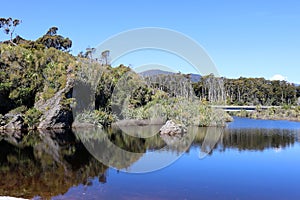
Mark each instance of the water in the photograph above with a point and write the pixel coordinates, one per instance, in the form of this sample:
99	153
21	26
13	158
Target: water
253	159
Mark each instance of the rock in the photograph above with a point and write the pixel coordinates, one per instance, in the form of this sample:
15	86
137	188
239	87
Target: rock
228	118
2	123
16	123
172	129
13	136
55	114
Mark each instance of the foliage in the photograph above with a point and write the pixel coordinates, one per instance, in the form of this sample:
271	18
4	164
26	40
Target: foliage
178	109
106	85
250	91
9	25
18	110
20	77
51	39
36	70
27	75
32	117
285	112
99	118
210	88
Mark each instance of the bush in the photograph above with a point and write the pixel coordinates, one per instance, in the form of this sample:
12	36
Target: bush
178	109
32	118
97	117
18	110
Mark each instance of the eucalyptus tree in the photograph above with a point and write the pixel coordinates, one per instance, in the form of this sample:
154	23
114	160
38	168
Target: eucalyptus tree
9	25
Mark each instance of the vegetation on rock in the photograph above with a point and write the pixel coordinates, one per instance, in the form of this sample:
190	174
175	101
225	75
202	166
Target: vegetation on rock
37	79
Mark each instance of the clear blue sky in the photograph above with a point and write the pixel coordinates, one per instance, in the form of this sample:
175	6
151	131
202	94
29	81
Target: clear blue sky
257	38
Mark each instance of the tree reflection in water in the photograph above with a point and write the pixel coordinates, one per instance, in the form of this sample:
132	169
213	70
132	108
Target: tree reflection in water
48	163
45	164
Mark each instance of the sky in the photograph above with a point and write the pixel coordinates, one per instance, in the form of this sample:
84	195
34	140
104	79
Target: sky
250	38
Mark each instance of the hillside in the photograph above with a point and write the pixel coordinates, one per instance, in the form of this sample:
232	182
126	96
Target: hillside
154	72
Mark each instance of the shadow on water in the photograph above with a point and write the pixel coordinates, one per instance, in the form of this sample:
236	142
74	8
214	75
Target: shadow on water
45	164
48	163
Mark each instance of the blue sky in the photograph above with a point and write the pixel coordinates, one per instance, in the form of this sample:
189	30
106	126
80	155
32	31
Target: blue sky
251	38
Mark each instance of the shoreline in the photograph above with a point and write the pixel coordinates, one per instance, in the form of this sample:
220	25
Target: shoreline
277	114
274	113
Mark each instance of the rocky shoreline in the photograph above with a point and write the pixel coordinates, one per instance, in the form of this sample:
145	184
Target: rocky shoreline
53	113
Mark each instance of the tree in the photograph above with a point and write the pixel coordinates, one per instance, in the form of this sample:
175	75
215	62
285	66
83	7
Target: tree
89	53
9	25
52	31
51	39
105	58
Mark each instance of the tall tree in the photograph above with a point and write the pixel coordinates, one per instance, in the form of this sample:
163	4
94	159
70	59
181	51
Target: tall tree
89	53
105	57
9	25
51	39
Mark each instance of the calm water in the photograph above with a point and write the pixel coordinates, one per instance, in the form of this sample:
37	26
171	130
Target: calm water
253	159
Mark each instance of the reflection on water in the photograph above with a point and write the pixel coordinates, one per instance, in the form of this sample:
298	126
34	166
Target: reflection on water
48	164
45	165
116	149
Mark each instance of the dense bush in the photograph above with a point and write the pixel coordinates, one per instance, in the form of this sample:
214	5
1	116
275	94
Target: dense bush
32	118
286	112
247	91
27	75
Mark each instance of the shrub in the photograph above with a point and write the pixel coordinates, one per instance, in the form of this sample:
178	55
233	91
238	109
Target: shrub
18	110
32	117
97	117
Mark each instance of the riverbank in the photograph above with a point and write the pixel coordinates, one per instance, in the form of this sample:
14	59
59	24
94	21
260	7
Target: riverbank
289	113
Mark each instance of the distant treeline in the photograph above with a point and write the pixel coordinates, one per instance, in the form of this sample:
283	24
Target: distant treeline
247	91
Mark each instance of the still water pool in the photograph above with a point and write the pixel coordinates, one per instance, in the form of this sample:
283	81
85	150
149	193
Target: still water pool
252	159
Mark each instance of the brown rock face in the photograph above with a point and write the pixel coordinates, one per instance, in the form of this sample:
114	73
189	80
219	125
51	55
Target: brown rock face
55	114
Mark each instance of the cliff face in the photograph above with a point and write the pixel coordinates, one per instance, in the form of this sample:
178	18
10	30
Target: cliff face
35	87
55	113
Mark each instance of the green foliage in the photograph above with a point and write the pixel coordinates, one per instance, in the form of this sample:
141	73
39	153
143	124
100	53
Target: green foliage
106	84
32	117
51	39
141	96
20	78
286	112
249	91
97	117
178	109
27	75
286	107
18	110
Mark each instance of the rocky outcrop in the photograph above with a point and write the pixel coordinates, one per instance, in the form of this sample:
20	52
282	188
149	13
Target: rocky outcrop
16	123
12	126
56	115
172	129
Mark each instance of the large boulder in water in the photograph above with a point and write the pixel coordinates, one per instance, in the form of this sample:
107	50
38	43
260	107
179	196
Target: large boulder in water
172	129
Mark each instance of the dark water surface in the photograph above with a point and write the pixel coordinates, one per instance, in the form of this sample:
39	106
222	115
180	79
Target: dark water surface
253	159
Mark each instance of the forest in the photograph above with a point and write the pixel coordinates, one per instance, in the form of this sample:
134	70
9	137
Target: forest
36	77
248	91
